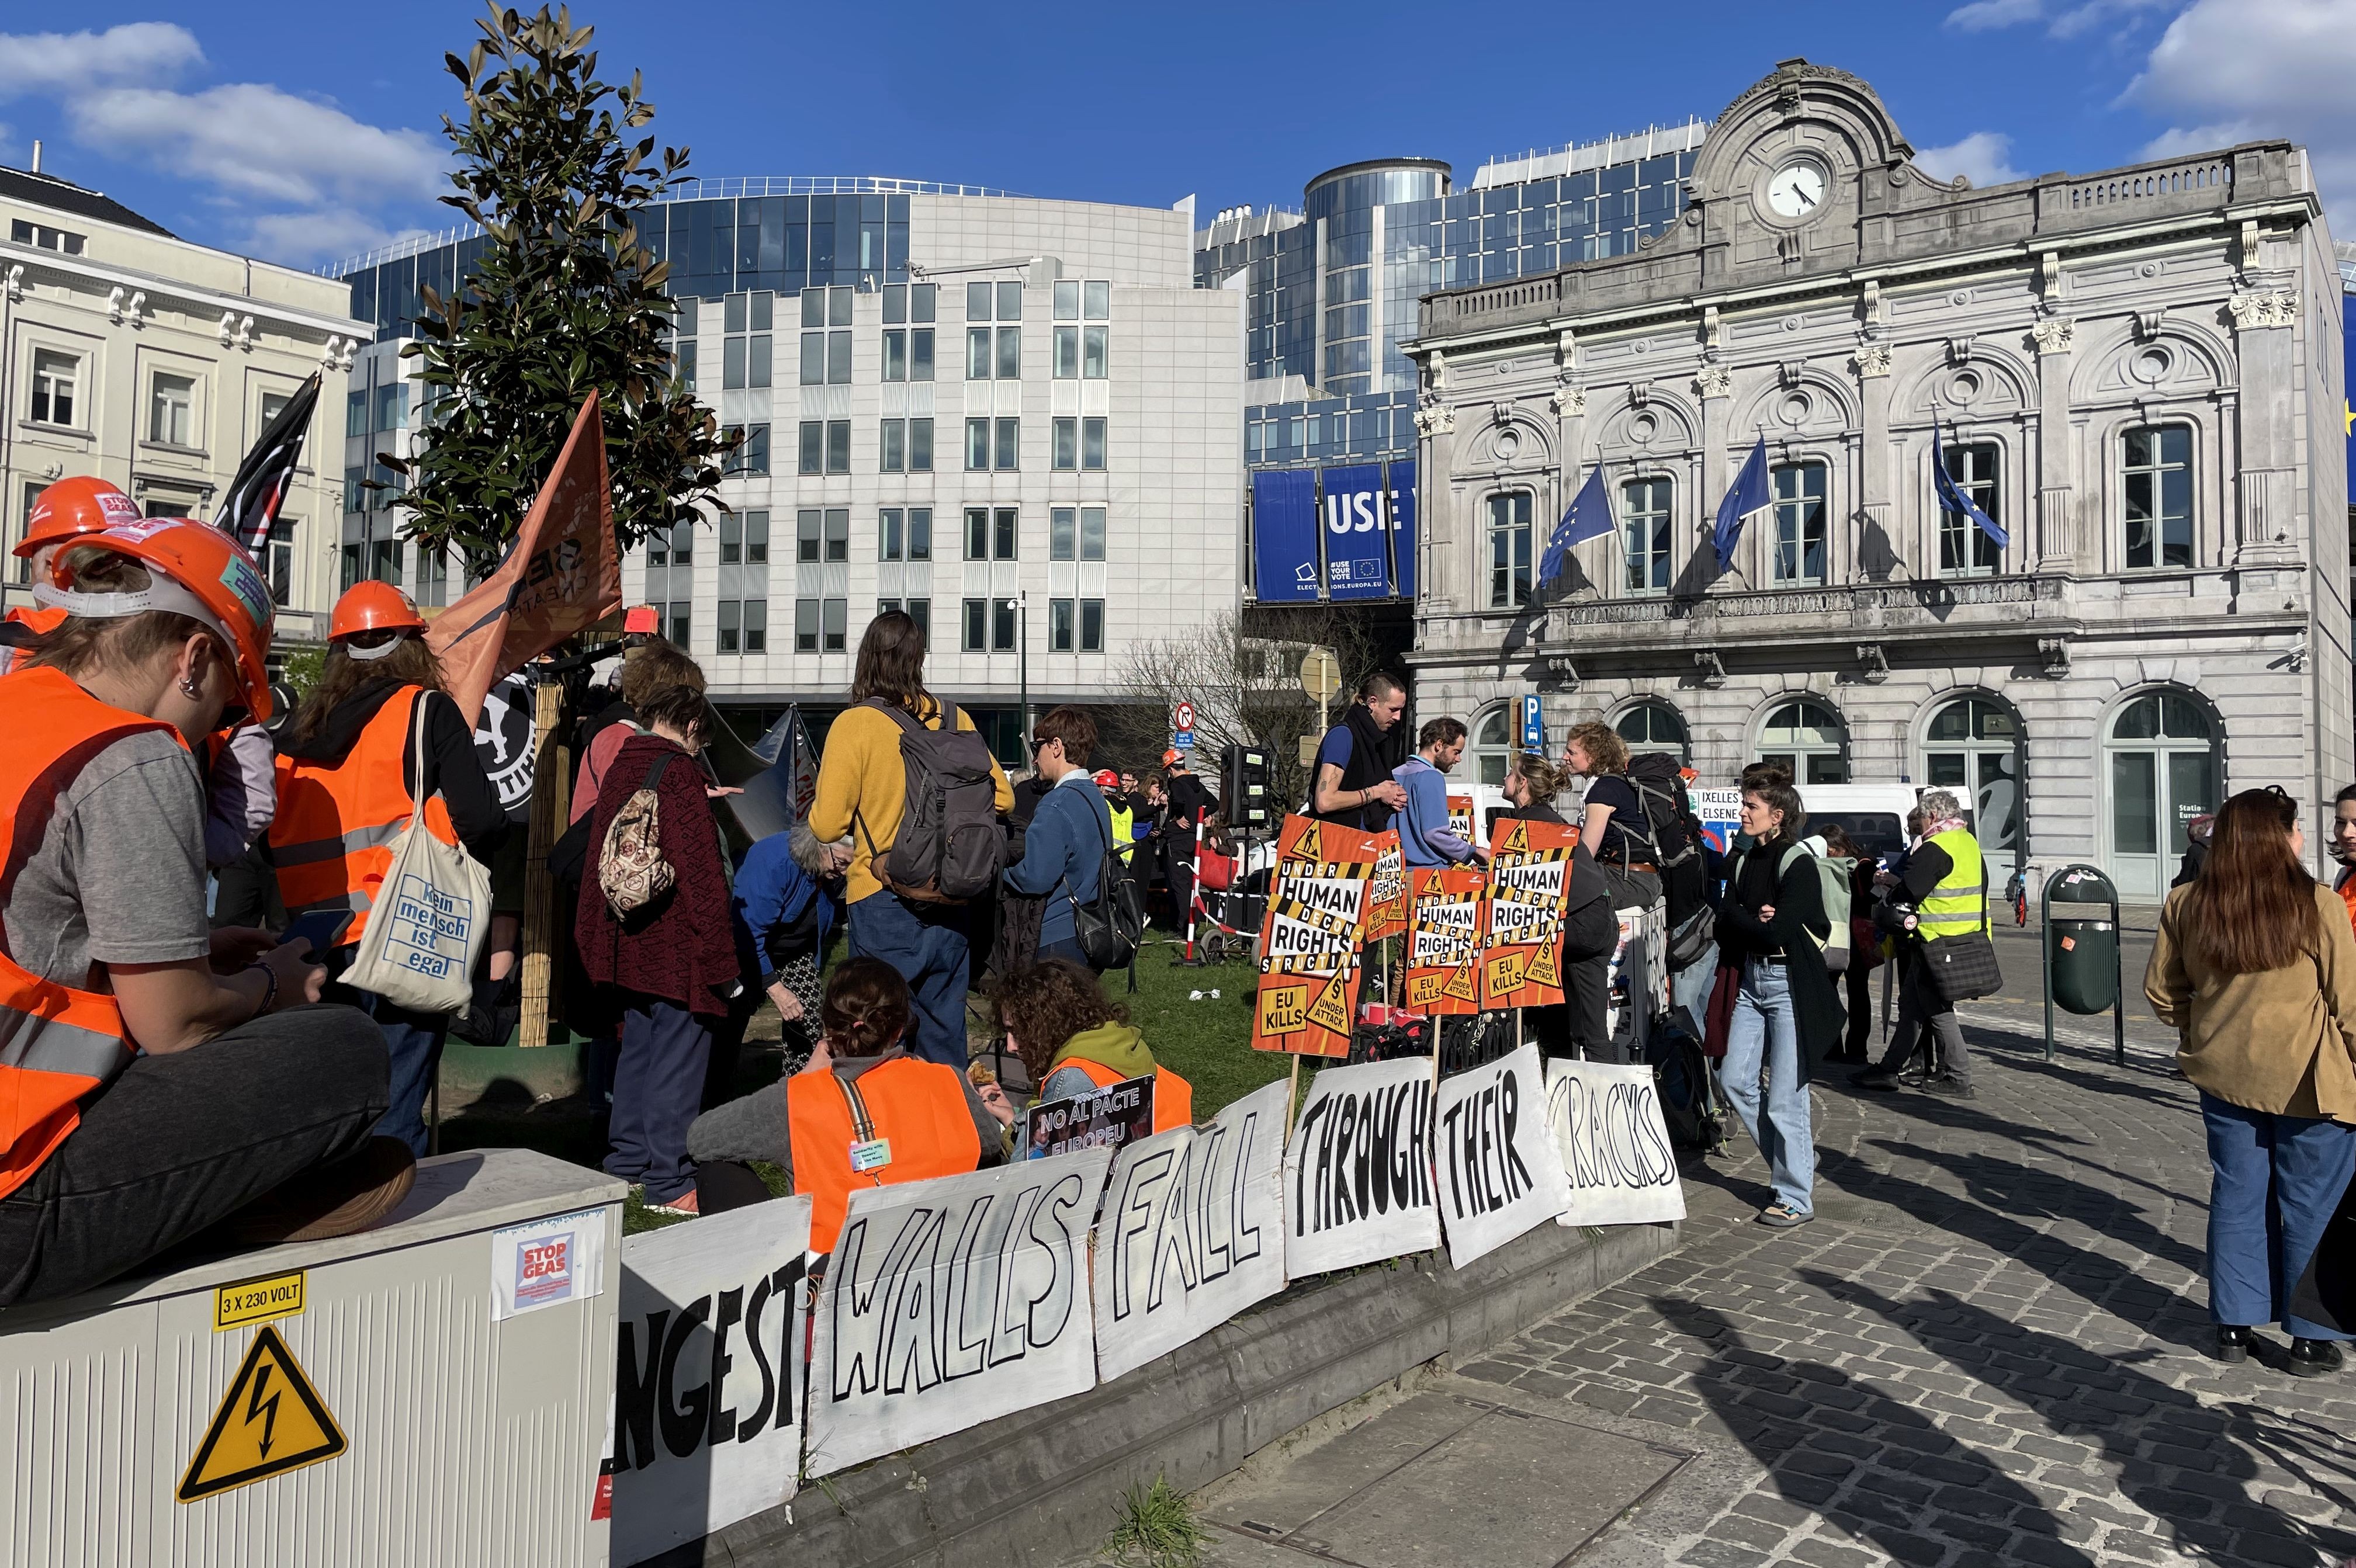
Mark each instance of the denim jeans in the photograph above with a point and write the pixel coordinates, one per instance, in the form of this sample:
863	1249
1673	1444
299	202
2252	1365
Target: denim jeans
413	1042
2276	1181
658	1089
929	947
1765	1032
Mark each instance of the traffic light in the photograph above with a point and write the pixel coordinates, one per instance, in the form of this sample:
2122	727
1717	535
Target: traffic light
1243	785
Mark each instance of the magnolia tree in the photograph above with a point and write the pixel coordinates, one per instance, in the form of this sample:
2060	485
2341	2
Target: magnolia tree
564	297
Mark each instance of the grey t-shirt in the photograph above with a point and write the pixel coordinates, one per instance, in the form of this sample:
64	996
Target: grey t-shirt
120	874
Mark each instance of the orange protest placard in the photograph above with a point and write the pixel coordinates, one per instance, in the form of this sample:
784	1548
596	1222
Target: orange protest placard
1443	940
1460	817
1310	945
1387	901
561	577
1529	877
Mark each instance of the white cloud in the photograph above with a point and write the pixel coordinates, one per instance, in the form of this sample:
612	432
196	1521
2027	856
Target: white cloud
2238	71
63	64
293	178
1983	157
2061	21
254	142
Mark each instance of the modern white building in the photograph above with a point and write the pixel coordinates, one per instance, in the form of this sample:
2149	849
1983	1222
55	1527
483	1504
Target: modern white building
1017	420
2137	373
154	362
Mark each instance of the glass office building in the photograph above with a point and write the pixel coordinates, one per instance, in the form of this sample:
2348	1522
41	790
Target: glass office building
1331	290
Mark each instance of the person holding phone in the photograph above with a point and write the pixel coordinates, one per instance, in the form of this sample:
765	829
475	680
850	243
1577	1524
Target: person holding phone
349	766
160	1077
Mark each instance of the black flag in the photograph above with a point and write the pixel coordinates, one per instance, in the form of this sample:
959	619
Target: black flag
259	487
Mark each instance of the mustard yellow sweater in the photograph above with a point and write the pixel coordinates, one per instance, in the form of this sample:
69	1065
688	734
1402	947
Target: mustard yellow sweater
860	772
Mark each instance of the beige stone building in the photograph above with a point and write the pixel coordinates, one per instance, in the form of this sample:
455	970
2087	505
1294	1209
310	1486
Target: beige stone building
2136	372
154	362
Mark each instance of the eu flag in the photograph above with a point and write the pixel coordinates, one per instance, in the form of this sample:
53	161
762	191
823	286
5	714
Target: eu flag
1951	495
1590	518
1748	494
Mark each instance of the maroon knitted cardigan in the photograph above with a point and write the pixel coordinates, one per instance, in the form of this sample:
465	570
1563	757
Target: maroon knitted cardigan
681	947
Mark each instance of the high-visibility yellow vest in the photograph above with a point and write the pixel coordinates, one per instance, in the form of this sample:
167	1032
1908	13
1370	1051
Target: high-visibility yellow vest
1124	822
1958	904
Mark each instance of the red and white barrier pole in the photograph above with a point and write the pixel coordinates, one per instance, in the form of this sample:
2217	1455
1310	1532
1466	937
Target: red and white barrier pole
1195	889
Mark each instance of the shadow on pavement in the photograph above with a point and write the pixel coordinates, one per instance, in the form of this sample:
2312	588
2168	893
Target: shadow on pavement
2187	1464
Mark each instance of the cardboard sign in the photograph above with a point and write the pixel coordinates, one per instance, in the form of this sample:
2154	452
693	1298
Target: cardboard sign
1310	945
1108	1117
707	1425
1529	877
1386	899
1193	1231
1444	929
952	1302
1357	1175
1499	1171
1607	1125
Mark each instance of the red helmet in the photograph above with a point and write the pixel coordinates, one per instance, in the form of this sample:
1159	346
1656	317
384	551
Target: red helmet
639	619
1106	778
1173	758
373	607
81	505
197	572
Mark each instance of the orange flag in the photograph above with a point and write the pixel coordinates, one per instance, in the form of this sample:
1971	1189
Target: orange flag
561	576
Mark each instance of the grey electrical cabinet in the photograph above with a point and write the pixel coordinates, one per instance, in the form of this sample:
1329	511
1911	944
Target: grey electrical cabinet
435	1390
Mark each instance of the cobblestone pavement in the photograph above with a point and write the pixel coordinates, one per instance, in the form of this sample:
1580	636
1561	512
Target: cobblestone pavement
1988	1348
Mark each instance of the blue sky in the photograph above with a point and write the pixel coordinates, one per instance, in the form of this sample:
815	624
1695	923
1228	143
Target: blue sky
303	132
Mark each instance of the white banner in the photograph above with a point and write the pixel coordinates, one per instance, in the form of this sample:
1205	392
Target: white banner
1193	1231
707	1422
1499	1171
1606	1121
952	1302
1358	1176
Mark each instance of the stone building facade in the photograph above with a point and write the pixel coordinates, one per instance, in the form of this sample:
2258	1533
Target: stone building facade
2137	373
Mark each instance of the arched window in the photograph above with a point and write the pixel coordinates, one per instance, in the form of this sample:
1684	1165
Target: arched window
1509	549
1973	747
2163	770
1808	738
1493	743
1656	727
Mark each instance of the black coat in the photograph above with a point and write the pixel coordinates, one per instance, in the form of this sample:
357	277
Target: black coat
1800	924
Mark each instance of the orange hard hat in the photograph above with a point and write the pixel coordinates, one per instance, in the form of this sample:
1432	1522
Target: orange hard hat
81	505
373	607
1173	758
195	570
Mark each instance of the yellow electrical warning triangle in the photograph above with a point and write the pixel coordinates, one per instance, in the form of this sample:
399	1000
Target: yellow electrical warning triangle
271	1421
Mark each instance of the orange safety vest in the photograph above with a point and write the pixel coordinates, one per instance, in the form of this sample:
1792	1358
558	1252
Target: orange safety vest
332	838
1174	1097
58	1045
2346	892
916	1106
42	618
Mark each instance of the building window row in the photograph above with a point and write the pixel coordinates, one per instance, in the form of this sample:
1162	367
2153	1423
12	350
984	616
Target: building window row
1074	625
2155	488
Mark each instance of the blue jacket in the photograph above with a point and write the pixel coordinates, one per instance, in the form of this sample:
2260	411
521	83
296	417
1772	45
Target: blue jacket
1062	845
771	893
1425	837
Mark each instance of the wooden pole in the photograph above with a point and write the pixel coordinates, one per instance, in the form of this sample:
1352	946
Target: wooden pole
552	797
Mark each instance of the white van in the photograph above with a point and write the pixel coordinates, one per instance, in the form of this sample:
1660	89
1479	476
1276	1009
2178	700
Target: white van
1872	815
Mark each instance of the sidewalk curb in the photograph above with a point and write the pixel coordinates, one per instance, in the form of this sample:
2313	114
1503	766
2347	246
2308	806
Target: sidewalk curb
1044	1486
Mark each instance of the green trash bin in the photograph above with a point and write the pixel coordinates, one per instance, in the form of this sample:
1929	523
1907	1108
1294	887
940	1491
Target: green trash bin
2086	953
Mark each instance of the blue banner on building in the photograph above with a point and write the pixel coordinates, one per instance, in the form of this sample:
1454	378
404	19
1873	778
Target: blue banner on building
1284	535
1357	545
1403	529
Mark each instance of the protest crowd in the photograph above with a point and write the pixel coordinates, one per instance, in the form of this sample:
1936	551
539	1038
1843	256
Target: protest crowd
934	936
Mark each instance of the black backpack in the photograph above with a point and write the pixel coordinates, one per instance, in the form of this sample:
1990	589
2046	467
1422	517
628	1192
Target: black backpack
951	846
1110	926
1669	832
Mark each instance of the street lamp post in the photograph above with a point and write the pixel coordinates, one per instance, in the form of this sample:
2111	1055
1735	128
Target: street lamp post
1023	645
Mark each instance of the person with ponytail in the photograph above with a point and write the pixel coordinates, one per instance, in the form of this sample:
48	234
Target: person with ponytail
349	765
2255	966
863	1112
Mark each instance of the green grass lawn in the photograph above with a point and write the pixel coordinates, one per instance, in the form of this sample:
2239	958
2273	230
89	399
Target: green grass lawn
1206	1041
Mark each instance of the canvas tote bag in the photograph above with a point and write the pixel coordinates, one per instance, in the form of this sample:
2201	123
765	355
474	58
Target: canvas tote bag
431	917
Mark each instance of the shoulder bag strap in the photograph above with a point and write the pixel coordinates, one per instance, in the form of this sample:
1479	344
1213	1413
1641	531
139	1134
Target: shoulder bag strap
417	726
862	1125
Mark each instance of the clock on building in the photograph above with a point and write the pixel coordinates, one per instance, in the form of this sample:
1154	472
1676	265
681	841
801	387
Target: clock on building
1797	190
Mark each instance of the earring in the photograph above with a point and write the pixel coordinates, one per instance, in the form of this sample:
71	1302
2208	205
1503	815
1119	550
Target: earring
190	689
